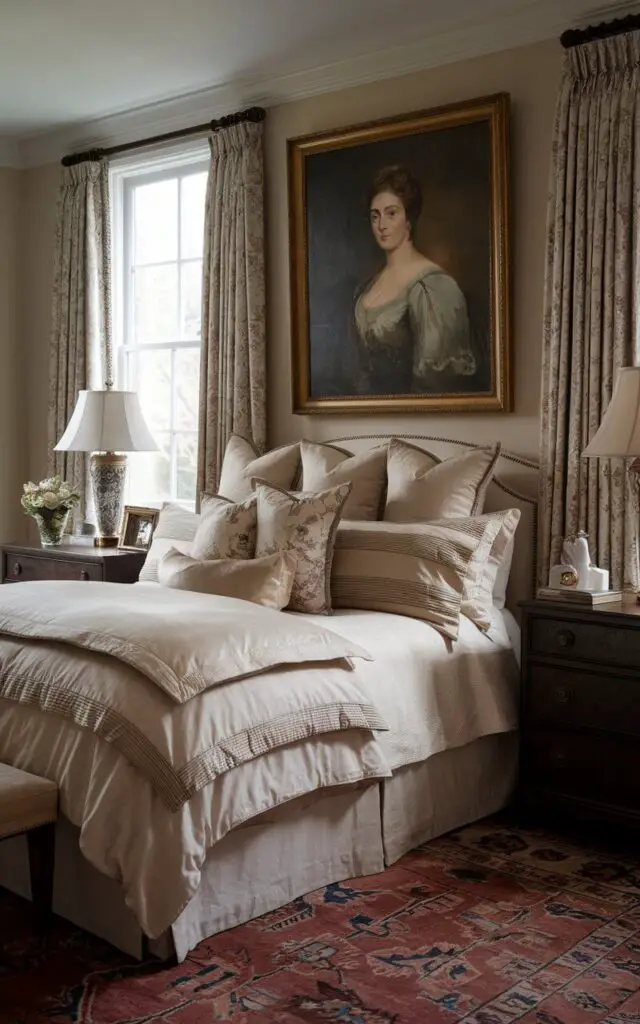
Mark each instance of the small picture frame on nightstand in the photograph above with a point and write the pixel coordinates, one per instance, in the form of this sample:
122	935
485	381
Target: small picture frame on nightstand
138	525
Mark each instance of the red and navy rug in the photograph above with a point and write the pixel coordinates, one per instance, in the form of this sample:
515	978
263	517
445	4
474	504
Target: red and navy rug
489	925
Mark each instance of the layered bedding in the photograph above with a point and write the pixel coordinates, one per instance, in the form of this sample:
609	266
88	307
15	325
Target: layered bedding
152	783
434	695
279	668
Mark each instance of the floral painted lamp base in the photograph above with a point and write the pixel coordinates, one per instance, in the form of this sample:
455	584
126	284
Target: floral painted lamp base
108	474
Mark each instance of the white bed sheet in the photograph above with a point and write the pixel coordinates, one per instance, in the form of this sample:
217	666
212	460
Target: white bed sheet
434	695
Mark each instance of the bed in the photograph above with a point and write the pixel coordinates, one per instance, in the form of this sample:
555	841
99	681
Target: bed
449	756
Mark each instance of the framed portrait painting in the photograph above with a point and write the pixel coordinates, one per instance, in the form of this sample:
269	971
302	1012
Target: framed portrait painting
400	277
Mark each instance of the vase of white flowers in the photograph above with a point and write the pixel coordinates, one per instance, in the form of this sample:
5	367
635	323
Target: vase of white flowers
50	503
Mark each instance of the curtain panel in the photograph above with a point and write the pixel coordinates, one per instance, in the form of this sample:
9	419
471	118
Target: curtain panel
233	370
590	324
81	346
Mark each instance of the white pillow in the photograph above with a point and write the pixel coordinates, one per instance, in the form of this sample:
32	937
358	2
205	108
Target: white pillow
480	582
502	575
241	464
421	489
176	528
266	581
325	466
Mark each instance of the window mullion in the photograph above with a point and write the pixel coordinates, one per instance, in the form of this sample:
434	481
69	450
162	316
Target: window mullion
172	427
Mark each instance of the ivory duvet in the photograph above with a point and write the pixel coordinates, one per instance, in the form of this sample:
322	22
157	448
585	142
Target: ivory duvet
168	718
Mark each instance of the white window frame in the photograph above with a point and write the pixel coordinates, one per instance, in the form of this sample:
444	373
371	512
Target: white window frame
125	174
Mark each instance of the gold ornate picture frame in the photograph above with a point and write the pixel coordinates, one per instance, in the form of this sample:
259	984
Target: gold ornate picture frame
400	263
138	524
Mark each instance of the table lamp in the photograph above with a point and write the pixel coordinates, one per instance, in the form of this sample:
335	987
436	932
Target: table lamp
105	423
618	436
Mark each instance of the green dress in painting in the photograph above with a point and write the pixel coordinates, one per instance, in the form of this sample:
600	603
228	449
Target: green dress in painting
419	342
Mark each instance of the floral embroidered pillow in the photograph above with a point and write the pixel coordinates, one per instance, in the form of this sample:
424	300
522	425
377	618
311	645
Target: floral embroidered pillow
305	525
226	529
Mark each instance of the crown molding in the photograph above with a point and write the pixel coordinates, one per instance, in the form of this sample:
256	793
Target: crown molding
530	24
10	154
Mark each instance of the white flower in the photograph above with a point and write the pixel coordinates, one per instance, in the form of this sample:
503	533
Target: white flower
50	499
30	488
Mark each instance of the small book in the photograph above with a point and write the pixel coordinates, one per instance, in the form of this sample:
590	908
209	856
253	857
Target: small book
586	597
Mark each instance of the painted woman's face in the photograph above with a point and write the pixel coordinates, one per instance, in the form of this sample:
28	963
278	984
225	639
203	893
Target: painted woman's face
389	221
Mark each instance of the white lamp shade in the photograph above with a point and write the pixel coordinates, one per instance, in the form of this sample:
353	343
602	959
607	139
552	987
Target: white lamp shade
618	436
107	421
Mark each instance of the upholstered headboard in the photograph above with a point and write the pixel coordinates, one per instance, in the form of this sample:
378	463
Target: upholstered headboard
515	485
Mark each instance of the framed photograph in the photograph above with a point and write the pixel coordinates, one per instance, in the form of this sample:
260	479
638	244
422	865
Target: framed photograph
400	275
138	525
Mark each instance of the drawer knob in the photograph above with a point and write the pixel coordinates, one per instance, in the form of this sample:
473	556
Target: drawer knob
17	569
559	758
84	575
564	694
565	638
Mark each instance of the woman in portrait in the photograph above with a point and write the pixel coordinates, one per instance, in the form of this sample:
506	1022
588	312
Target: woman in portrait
411	318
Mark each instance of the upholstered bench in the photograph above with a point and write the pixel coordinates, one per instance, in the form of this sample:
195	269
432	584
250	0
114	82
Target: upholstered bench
30	804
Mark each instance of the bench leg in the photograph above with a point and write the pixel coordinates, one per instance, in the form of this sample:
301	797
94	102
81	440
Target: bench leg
41	843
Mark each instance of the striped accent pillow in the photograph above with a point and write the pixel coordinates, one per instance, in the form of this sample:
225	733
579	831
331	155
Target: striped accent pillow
176	528
416	569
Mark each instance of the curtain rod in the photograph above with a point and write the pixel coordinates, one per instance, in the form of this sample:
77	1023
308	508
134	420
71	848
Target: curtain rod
250	114
578	36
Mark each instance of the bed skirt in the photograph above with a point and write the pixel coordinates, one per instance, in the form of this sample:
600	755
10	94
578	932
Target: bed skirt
302	846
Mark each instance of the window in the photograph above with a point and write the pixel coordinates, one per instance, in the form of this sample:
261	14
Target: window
157	241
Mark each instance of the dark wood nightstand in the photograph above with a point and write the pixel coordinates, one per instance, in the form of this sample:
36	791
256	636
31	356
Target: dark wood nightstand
78	560
580	710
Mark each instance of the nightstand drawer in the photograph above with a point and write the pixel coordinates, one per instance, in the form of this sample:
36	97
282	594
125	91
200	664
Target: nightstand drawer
590	700
585	641
22	567
596	766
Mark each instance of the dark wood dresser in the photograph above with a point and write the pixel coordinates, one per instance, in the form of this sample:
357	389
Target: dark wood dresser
74	561
580	711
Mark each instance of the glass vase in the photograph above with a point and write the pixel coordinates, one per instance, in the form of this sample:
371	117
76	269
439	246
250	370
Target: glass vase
52	523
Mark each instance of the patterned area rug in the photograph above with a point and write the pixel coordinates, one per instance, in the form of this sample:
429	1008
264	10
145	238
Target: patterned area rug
488	925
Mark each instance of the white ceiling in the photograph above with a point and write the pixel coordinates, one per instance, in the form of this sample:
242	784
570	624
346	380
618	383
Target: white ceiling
69	62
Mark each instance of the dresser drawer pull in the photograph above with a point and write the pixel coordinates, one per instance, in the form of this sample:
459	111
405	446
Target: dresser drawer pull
565	638
564	694
17	569
559	759
84	575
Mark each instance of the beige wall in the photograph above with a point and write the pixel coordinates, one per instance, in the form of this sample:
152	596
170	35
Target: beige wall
531	75
13	400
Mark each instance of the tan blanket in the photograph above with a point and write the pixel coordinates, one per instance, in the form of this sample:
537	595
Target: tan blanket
91	653
183	642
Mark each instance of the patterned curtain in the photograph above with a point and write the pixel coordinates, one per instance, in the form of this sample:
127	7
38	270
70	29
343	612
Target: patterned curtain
590	323
233	371
81	347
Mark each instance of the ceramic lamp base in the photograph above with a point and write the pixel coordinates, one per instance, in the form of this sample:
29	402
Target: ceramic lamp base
108	475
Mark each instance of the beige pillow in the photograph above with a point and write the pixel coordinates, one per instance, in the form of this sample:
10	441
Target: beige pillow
499	530
176	528
421	489
415	569
242	463
226	529
487	579
324	466
266	581
304	524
